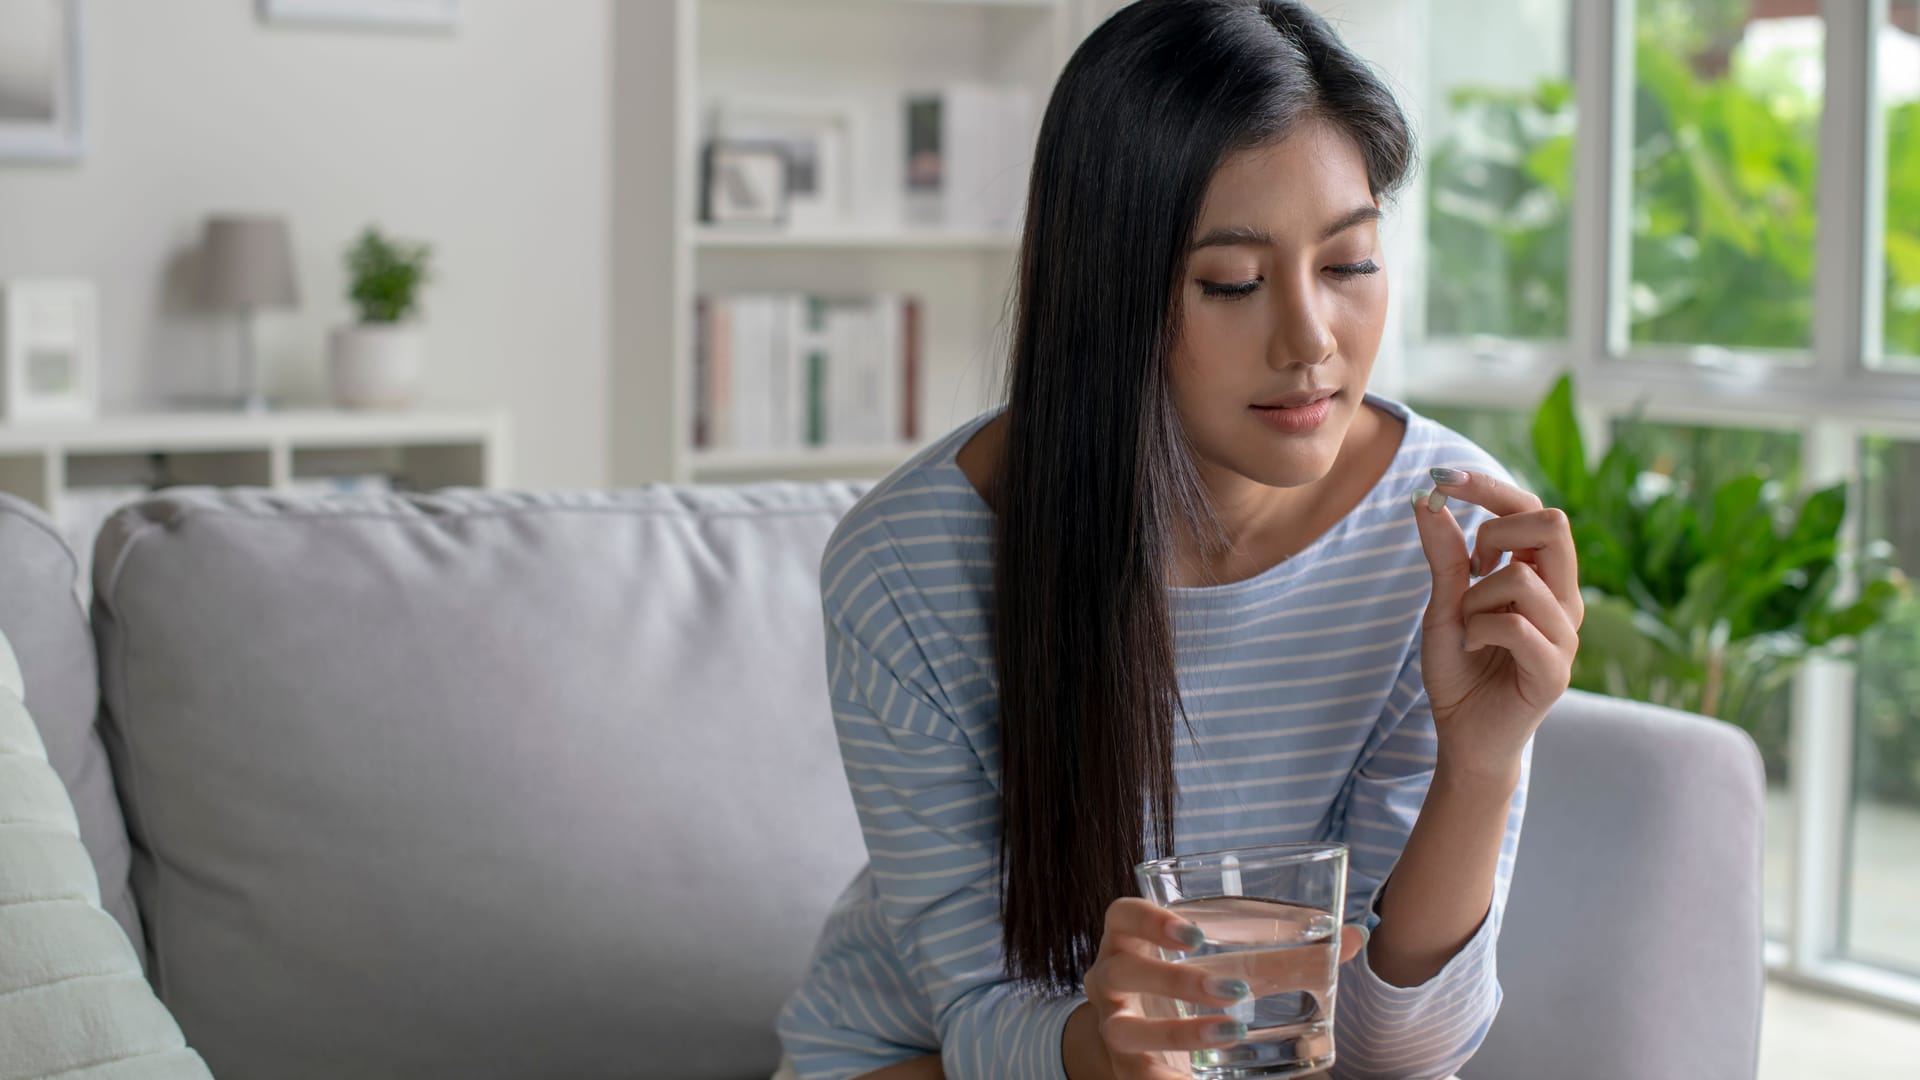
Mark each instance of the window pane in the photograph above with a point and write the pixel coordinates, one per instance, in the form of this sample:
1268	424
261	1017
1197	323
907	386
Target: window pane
1727	97
1900	96
1500	127
1500	432
1883	898
1692	466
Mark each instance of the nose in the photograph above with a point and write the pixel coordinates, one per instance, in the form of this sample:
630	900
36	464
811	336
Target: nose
1302	334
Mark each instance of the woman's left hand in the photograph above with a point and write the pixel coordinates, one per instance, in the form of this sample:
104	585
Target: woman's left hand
1498	652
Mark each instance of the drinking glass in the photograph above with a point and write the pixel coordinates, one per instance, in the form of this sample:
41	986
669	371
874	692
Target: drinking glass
1271	916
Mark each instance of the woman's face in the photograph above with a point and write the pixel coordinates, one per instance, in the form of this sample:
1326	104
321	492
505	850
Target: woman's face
1284	301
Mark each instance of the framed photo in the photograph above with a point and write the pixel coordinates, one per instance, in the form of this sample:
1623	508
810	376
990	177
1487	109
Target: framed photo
49	350
42	81
746	184
821	141
427	15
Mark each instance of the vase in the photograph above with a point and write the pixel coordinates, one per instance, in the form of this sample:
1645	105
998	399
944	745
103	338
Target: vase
376	365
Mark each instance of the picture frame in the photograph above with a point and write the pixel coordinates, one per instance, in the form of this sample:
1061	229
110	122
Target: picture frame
442	16
821	138
745	184
43	102
49	350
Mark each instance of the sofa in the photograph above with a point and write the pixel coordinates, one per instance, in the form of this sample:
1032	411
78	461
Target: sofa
543	784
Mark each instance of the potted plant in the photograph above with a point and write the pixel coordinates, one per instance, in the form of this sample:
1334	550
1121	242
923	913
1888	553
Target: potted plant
376	363
1704	596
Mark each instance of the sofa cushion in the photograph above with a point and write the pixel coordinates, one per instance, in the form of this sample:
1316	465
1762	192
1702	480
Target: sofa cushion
73	1003
42	618
477	784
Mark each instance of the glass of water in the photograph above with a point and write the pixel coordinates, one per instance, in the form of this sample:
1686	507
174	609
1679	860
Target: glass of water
1271	916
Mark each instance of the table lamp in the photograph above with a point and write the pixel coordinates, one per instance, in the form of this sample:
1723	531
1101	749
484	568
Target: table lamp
248	265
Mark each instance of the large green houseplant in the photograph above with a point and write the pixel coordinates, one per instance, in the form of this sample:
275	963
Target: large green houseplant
1705	600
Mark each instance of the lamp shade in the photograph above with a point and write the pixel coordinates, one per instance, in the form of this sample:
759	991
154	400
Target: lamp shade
248	263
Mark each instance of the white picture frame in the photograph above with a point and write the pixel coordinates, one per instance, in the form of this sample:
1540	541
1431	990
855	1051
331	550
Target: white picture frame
49	350
744	185
43	100
418	15
822	139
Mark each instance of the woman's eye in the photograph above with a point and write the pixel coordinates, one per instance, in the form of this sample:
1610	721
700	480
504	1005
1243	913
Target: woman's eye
1355	269
1235	291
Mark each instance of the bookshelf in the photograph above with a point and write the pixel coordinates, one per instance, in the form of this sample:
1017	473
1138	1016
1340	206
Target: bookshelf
79	470
868	55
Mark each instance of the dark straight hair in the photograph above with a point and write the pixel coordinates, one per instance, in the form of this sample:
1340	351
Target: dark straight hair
1096	483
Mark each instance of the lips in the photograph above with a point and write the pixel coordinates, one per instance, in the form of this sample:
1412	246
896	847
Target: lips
1299	399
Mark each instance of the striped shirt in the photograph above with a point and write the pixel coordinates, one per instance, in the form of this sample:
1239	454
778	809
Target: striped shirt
1310	722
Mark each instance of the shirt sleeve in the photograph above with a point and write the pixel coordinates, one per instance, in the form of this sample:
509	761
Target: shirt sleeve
930	817
1431	1030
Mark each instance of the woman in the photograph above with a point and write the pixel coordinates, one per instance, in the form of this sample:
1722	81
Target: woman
1173	598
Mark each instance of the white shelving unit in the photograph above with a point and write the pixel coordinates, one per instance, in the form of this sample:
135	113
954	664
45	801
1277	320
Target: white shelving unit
870	53
45	462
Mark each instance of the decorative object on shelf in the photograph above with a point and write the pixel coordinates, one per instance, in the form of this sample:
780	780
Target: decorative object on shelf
376	364
427	15
968	150
819	138
247	266
49	350
745	184
42	81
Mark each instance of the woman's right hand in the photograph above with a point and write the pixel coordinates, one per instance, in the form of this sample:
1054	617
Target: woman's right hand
1129	969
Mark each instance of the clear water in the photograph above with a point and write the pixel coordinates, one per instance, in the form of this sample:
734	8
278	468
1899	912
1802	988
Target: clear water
1290	956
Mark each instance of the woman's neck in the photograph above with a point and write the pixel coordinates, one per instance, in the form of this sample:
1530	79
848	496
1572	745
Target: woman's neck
1261	525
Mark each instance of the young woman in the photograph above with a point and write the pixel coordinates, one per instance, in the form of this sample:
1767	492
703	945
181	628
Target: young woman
1174	598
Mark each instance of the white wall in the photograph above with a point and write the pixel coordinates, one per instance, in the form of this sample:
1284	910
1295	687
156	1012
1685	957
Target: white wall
490	143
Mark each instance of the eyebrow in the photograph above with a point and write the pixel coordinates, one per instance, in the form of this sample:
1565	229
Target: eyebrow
1236	235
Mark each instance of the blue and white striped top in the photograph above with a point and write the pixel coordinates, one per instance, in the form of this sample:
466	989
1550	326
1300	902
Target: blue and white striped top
1303	687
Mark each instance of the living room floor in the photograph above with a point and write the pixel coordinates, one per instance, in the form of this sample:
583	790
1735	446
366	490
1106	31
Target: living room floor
1810	1036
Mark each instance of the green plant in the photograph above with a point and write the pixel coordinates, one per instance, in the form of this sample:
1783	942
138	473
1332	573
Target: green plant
1704	597
384	276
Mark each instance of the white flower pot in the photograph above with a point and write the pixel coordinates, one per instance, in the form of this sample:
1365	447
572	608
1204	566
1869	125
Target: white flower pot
376	365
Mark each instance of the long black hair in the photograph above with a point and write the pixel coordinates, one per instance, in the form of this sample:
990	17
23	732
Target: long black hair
1096	481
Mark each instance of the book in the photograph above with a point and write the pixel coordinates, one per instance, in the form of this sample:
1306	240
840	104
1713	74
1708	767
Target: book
968	151
778	371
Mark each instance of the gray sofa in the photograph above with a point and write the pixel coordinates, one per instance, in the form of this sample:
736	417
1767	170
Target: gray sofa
490	785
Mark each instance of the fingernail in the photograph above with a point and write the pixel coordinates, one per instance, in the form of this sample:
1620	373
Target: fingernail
1421	496
1189	935
1443	475
1228	1031
1473	564
1366	935
1232	989
1437	501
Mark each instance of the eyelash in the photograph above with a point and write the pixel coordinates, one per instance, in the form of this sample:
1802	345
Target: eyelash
1242	290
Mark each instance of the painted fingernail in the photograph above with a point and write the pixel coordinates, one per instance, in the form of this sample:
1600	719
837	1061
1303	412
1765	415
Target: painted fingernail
1227	1032
1420	497
1437	501
1443	475
1231	989
1189	935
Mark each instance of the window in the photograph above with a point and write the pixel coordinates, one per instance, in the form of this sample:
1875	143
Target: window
1666	251
1725	143
1899	97
1499	131
1883	888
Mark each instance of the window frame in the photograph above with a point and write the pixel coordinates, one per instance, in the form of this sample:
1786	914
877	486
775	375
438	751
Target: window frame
1834	396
